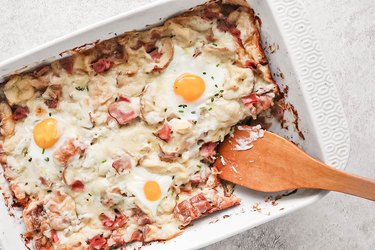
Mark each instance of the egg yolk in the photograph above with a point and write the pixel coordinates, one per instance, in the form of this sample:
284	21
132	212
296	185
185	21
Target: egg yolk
46	133
190	87
152	190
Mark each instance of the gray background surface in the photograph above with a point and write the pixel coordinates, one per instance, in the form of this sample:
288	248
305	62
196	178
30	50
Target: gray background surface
346	30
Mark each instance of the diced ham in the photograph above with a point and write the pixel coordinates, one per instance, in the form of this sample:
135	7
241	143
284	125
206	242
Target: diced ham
122	112
164	133
122	164
208	149
98	242
20	113
54	236
102	65
249	100
77	186
67	64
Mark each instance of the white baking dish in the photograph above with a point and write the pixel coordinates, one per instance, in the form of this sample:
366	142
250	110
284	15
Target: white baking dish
311	90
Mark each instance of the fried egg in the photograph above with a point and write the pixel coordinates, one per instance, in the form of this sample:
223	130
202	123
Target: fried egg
188	85
47	135
149	188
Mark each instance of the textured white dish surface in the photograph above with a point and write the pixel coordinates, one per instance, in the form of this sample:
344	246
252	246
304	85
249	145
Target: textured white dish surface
311	90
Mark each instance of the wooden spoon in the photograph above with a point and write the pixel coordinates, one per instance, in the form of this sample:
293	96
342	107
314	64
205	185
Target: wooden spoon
275	164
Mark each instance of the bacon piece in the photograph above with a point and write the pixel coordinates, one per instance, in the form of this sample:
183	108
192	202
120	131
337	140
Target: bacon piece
208	149
249	100
196	178
122	112
65	152
122	164
97	242
251	64
33	215
67	64
102	65
122	98
166	55
20	112
136	236
42	71
164	133
109	224
77	186
234	31
52	95
54	236
200	204
189	210
141	218
156	55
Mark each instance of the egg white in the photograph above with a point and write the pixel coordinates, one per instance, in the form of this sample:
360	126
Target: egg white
45	156
135	182
204	66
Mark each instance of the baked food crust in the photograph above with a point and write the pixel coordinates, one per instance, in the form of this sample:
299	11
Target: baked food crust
134	57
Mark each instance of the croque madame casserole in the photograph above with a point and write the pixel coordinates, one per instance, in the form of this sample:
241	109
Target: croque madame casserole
114	144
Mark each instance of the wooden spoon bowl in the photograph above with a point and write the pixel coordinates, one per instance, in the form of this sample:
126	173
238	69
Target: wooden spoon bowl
273	163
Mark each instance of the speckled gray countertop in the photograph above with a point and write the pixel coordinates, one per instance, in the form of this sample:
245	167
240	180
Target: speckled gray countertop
346	30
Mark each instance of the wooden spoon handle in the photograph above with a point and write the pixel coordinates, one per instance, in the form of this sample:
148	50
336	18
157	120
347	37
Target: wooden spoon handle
336	180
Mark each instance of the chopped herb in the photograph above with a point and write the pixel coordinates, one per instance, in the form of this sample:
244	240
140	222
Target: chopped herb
25	151
79	88
216	86
204	73
26	183
87	199
212	99
173	177
165	110
212	77
202	108
46	159
90	194
209	109
49	191
221	90
181	111
104	161
217	94
182	106
177	196
50	114
195	122
193	112
43	151
217	65
30	159
199	166
214	44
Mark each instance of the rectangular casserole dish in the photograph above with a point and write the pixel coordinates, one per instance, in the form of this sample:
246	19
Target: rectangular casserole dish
292	50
